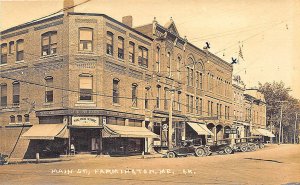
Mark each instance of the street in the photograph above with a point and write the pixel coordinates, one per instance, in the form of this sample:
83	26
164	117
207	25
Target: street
272	165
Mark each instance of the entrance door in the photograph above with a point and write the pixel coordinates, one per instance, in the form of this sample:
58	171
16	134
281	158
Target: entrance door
85	139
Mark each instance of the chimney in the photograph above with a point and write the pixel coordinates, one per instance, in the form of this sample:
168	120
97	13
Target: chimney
68	6
127	20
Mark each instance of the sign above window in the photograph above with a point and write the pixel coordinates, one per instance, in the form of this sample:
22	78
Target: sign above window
85	121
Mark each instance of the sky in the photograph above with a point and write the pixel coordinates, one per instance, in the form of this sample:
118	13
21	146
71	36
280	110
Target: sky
267	31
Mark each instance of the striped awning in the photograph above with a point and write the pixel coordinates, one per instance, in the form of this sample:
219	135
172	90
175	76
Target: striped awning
201	129
127	131
262	132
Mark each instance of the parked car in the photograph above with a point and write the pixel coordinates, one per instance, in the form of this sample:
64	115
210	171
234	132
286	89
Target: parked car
223	146
248	143
256	140
188	147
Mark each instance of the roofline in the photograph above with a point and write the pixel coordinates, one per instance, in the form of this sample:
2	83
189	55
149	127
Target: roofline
113	20
30	23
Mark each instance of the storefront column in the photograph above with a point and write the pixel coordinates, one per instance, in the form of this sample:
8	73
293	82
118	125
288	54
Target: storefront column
100	143
215	133
149	143
126	122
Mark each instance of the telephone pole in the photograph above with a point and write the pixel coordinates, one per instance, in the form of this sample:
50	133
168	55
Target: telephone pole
280	123
171	119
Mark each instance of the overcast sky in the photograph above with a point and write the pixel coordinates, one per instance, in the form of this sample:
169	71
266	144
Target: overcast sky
268	31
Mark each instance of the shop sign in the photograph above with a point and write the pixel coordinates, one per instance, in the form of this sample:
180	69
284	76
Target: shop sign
85	121
231	131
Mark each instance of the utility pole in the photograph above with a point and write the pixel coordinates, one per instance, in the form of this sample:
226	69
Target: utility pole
295	128
280	123
171	118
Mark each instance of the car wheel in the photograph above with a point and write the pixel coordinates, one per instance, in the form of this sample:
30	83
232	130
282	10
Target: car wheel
171	155
200	152
244	148
227	150
252	147
261	145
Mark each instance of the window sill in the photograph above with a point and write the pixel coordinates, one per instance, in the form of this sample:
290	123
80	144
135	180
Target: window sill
48	103
108	55
143	67
3	64
86	52
85	104
135	108
26	124
20	62
116	105
121	60
48	56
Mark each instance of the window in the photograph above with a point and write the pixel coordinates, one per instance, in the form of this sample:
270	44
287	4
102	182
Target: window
3	54
16	93
211	108
208	108
217	109
49	43
178	68
197	79
197	105
131	52
157	59
116	91
120	48
201	81
20	50
12	119
109	43
166	98
158	97
19	119
11	48
192	77
169	64
143	56
187	103
192	104
147	97
49	90
179	101
201	109
85	39
26	117
134	95
3	88
188	76
85	87
220	109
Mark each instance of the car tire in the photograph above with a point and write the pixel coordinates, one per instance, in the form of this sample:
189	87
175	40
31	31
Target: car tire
244	148
200	152
261	145
252	147
228	150
171	155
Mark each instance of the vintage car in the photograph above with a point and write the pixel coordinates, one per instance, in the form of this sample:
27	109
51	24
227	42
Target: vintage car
257	140
248	143
223	146
188	147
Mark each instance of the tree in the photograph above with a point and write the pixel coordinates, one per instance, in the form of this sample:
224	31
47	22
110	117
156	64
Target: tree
274	93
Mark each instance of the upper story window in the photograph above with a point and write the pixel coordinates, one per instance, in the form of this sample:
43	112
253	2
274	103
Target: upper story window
201	81
157	59
3	53
20	50
120	47
158	96
19	119
166	90
26	117
11	48
143	56
3	91
12	119
134	94
49	43
116	93
16	93
197	79
169	64
131	52
49	89
110	43
86	87
178	68
147	97
85	39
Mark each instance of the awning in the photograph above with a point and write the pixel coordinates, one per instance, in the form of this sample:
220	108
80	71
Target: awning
262	132
127	131
46	132
201	129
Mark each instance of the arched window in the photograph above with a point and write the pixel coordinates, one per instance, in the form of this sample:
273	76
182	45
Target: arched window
134	95
19	118
86	87
16	93
109	43
131	51
169	68
12	119
178	67
26	117
3	53
49	89
3	94
49	43
143	56
20	50
85	39
11	48
120	47
157	59
116	91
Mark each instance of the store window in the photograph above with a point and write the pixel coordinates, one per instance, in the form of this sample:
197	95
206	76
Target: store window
116	91
3	53
120	47
131	52
49	43
85	87
49	89
20	50
143	56
134	95
85	39
109	43
134	123
3	91
16	93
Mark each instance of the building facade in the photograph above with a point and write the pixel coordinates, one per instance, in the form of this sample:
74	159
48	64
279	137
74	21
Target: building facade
89	81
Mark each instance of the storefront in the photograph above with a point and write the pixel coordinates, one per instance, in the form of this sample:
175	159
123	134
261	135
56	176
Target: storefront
198	132
263	132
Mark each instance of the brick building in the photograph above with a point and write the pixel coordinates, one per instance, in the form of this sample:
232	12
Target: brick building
88	80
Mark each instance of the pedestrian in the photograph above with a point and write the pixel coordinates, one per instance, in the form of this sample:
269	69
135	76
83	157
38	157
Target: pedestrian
72	149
